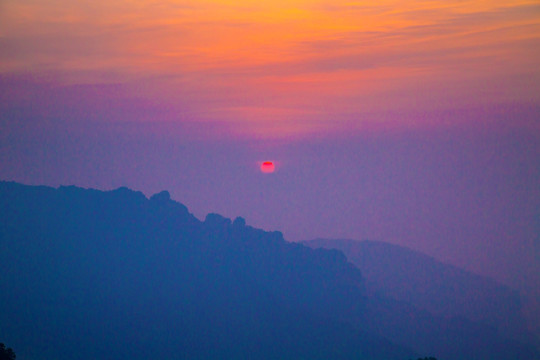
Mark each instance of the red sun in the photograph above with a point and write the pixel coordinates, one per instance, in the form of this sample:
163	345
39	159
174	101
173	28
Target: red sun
268	167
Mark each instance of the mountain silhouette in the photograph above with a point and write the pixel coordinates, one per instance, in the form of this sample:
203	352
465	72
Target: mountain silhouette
434	306
87	274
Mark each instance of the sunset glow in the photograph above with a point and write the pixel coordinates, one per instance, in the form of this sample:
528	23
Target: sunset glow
282	68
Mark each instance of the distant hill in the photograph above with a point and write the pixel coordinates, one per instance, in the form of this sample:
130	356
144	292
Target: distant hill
86	274
444	294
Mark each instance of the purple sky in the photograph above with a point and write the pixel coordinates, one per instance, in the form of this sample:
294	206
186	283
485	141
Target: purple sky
415	125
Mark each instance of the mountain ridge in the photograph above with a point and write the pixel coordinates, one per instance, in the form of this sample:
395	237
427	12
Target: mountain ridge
116	275
143	276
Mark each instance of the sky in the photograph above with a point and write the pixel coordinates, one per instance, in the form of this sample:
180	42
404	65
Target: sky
416	123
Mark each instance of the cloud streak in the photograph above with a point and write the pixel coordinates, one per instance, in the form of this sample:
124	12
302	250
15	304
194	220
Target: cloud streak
280	55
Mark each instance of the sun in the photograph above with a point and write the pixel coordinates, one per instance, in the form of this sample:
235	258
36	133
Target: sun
268	167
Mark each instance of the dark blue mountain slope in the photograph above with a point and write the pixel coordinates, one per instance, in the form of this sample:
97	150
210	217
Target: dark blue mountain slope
86	274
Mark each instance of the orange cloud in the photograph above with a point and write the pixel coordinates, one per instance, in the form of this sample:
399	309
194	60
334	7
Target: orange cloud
302	56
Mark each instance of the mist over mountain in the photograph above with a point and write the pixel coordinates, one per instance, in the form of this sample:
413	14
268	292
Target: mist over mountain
447	295
87	274
407	275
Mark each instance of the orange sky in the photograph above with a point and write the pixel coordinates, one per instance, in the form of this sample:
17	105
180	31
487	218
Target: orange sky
284	67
